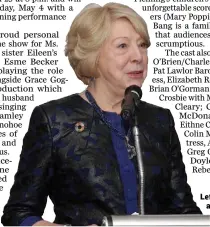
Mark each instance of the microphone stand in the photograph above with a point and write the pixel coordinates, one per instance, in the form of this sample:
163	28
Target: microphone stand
136	134
108	220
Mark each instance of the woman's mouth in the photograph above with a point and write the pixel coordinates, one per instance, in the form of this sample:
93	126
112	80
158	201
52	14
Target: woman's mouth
135	74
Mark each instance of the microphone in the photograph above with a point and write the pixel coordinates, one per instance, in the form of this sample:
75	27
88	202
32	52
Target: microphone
132	98
132	95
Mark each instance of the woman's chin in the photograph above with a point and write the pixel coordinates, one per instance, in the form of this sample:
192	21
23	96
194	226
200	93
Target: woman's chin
135	82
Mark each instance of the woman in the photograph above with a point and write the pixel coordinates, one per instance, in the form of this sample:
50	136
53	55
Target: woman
76	148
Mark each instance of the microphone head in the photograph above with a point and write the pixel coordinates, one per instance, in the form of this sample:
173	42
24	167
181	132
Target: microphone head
134	89
133	95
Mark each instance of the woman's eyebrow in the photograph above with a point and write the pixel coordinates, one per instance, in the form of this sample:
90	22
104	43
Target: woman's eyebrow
126	37
120	37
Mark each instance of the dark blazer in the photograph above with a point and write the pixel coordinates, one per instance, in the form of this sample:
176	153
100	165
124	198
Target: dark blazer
59	161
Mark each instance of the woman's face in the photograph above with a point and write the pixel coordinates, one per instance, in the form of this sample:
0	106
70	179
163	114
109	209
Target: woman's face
123	58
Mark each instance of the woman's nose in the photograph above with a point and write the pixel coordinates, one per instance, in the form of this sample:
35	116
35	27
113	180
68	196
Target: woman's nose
136	54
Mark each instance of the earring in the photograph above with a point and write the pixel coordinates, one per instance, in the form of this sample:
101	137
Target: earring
91	79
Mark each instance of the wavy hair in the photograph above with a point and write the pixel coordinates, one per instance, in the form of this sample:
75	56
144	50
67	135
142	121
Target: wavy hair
90	29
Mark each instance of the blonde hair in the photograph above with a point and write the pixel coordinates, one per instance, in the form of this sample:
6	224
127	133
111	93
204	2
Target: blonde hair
90	29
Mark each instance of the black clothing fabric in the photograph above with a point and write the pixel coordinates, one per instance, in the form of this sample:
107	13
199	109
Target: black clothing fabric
79	170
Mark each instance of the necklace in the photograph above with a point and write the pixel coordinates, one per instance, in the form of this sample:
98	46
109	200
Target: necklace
131	149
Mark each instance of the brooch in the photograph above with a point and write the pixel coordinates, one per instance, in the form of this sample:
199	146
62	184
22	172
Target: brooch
79	126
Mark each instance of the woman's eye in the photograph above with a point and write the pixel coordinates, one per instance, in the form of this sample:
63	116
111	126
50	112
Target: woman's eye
143	45
123	45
